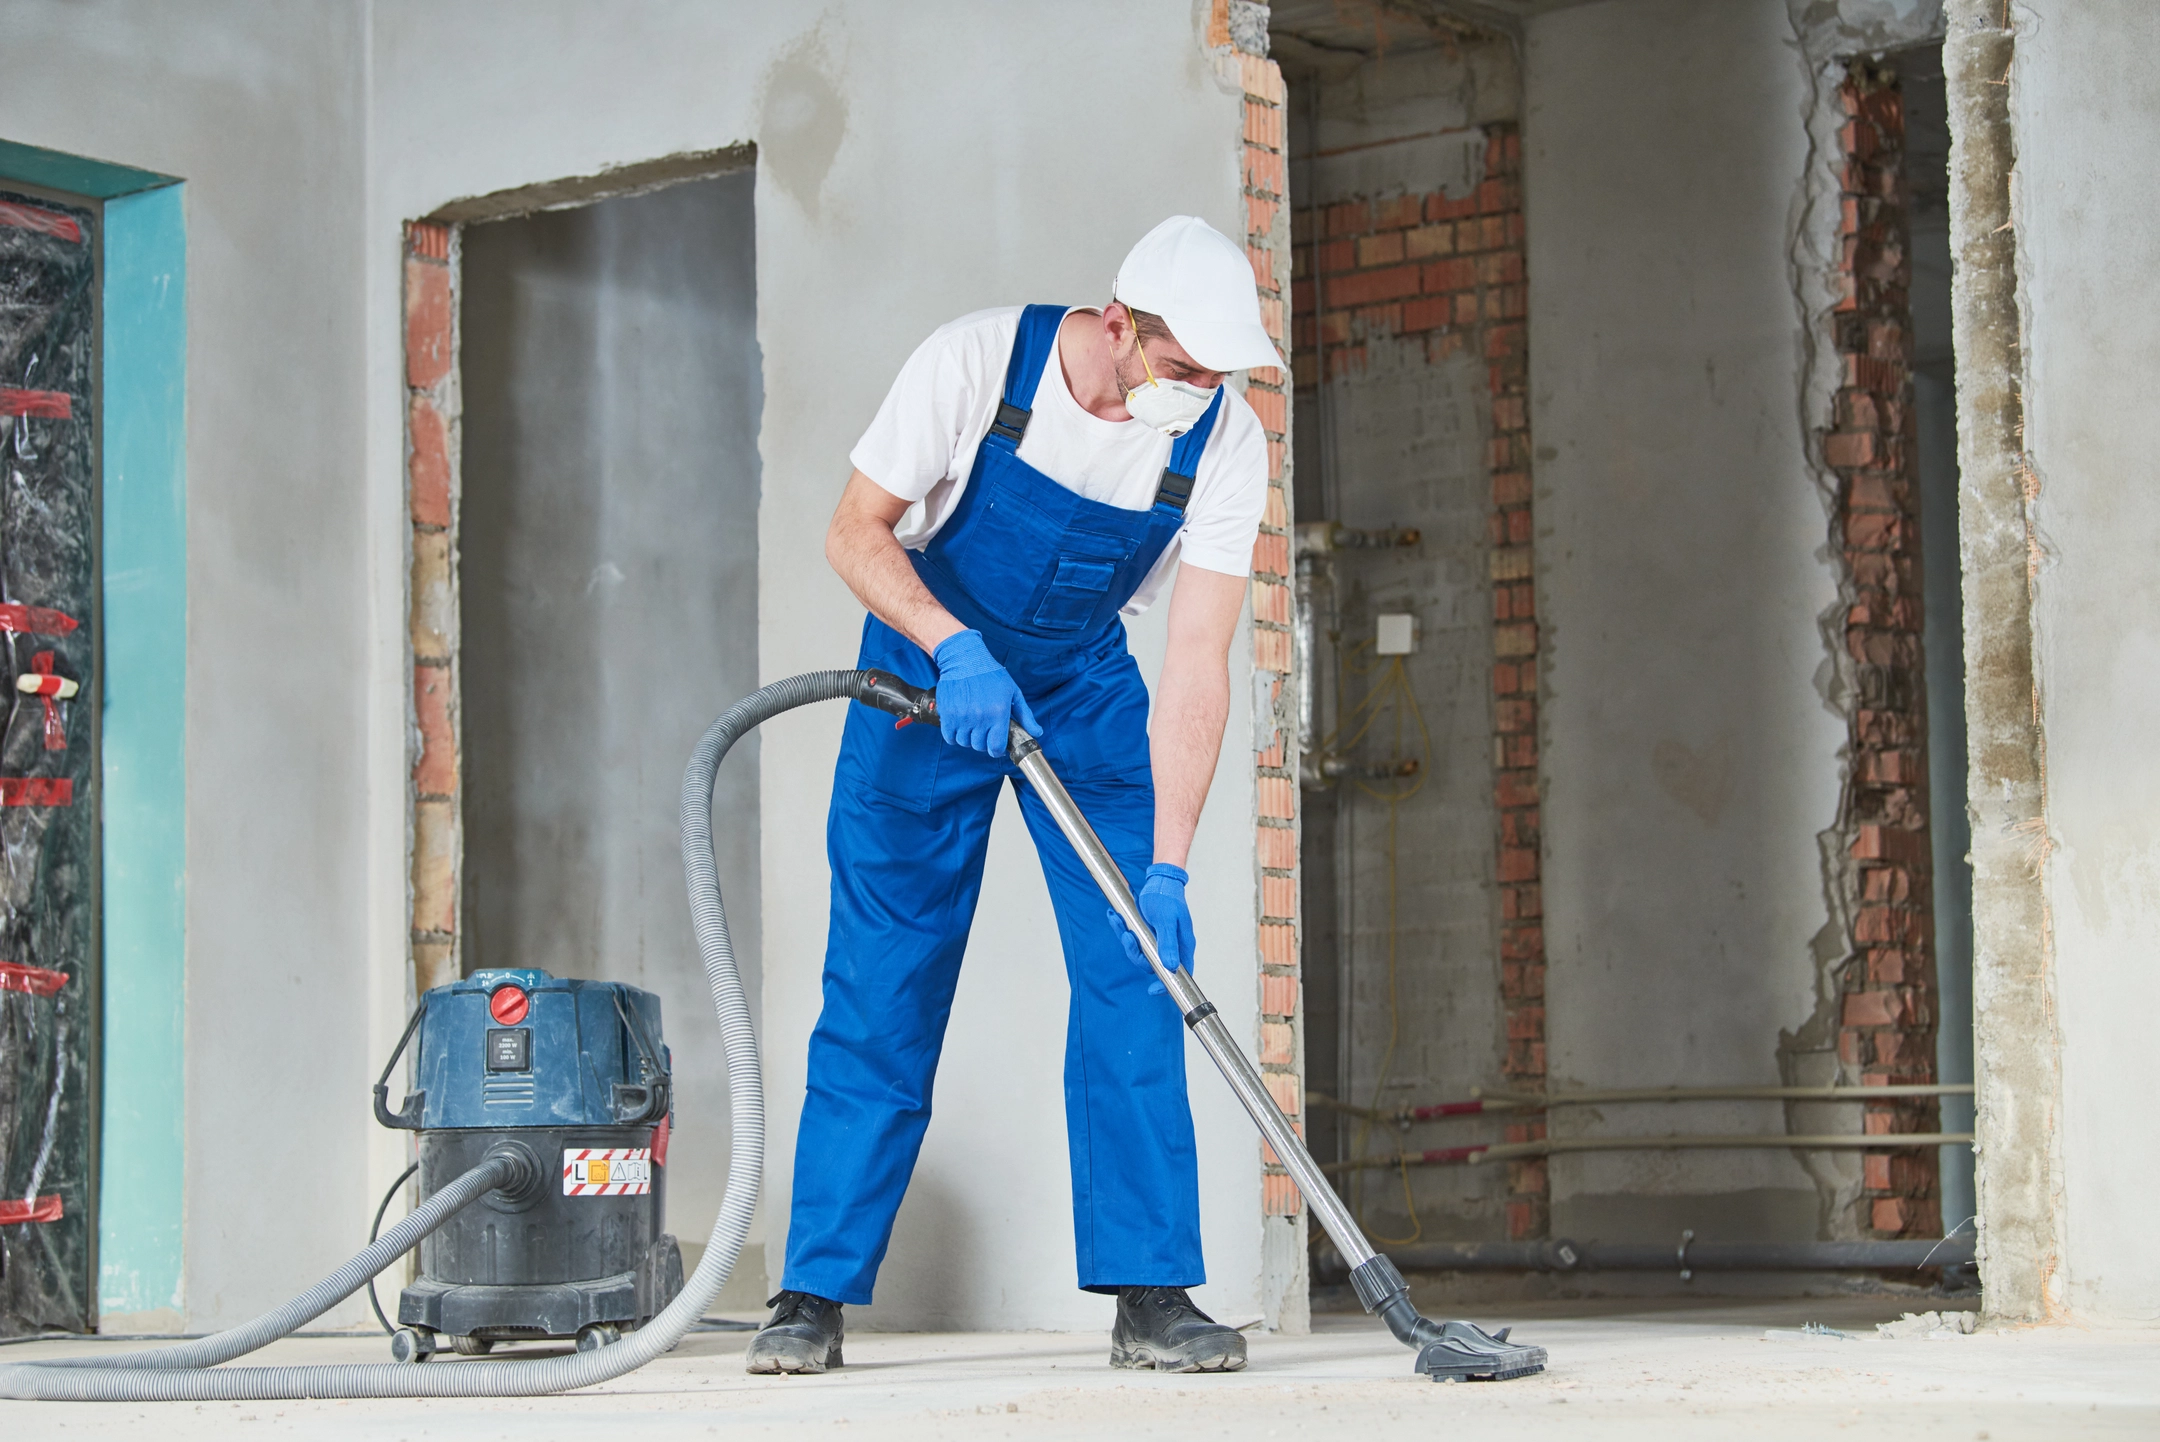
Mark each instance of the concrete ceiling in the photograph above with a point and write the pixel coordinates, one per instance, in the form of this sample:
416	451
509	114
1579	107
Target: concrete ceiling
1310	29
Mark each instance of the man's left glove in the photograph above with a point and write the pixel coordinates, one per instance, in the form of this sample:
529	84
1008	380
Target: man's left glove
1162	906
977	699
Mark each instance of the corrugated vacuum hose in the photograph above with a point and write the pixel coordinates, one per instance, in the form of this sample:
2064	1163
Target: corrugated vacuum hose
189	1372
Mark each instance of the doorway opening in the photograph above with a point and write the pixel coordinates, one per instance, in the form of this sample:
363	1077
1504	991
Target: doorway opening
607	575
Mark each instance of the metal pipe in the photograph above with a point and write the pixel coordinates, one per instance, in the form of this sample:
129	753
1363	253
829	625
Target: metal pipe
1549	1146
1200	1014
1691	1094
1687	1255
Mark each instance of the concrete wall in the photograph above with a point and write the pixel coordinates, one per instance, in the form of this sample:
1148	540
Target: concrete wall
1691	759
2085	105
263	113
608	581
915	162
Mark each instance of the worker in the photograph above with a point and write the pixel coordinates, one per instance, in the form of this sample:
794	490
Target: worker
1033	475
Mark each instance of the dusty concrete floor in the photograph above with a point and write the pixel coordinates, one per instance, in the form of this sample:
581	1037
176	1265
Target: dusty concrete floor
1669	1373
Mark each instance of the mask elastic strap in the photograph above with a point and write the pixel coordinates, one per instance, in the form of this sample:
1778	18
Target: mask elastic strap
1144	366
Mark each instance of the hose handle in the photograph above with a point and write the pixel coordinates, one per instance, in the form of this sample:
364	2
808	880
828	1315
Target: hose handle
888	692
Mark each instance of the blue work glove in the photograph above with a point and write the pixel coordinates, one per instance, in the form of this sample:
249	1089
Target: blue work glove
977	699
1162	906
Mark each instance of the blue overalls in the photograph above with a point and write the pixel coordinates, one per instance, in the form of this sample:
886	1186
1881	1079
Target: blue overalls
1042	572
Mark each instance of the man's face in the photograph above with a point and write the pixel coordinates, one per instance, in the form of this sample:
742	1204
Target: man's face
1164	359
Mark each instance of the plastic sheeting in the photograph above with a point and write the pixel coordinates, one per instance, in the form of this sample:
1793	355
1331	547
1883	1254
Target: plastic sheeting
48	746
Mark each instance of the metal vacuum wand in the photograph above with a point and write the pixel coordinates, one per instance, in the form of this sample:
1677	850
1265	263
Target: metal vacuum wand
1447	1351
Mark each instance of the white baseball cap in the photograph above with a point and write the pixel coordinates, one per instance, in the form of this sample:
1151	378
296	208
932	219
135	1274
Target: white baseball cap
1199	281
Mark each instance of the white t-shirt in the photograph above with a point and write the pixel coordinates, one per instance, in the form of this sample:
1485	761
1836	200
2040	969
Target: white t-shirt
922	446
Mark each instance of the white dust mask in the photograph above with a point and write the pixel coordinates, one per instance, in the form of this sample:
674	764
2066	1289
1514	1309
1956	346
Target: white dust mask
1172	407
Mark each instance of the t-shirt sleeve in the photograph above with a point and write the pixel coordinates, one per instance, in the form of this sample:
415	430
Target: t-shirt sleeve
919	431
1231	494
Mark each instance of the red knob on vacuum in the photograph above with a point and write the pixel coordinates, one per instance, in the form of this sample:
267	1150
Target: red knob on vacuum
508	1004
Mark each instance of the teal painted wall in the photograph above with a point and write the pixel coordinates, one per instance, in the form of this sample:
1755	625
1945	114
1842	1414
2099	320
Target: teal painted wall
145	720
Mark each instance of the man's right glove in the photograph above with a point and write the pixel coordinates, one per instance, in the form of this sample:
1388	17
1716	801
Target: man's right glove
1163	908
977	699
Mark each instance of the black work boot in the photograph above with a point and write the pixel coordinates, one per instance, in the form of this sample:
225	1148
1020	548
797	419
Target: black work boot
1159	1327
803	1336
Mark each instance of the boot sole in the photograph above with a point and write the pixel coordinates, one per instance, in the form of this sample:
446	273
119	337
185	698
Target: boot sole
1205	1358
789	1357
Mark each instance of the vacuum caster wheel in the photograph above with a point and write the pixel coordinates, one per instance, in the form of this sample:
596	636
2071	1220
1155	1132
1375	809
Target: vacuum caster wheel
594	1335
412	1344
471	1346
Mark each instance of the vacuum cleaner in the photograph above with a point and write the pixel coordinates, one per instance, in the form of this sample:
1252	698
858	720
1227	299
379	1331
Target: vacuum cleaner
572	1078
508	1164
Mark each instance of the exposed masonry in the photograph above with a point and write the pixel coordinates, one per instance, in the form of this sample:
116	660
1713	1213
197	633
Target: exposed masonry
430	459
1276	837
1453	272
1886	1031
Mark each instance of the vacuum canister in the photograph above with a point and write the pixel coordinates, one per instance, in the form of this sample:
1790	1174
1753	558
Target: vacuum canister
575	1075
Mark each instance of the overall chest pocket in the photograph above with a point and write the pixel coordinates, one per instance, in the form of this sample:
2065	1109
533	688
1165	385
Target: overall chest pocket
1076	591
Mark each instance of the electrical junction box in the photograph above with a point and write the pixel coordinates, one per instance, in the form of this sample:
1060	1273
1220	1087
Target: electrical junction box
1396	636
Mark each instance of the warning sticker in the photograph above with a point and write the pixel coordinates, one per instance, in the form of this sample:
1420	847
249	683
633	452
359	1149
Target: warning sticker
606	1171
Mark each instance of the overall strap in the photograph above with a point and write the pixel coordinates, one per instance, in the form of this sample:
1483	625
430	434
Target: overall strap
1030	353
1177	477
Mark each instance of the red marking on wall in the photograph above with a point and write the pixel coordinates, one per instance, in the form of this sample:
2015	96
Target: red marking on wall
55	728
30	980
37	791
34	620
53	405
44	222
15	1211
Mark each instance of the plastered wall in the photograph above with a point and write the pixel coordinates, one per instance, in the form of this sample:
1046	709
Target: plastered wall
2085	106
914	163
1691	758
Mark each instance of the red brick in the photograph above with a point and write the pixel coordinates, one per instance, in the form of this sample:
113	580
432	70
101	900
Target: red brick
1505	340
1262	261
1271	555
1278	898
1277	798
1288	1094
1271	650
430	240
1271	406
1278	945
428	466
1515	639
1873	1008
1279	994
1271	602
1522	943
1370	287
1891	1214
1277	847
1439	207
1348	217
1264	170
1426	312
1428	241
1875	1171
1515	788
1398	212
1515	714
1386	248
1457	273
428	320
1518	864
1278	1044
436	772
1279	1196
1848	449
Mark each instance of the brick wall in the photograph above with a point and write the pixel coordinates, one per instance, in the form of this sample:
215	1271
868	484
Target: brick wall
1451	271
430	462
1887	1016
1267	236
